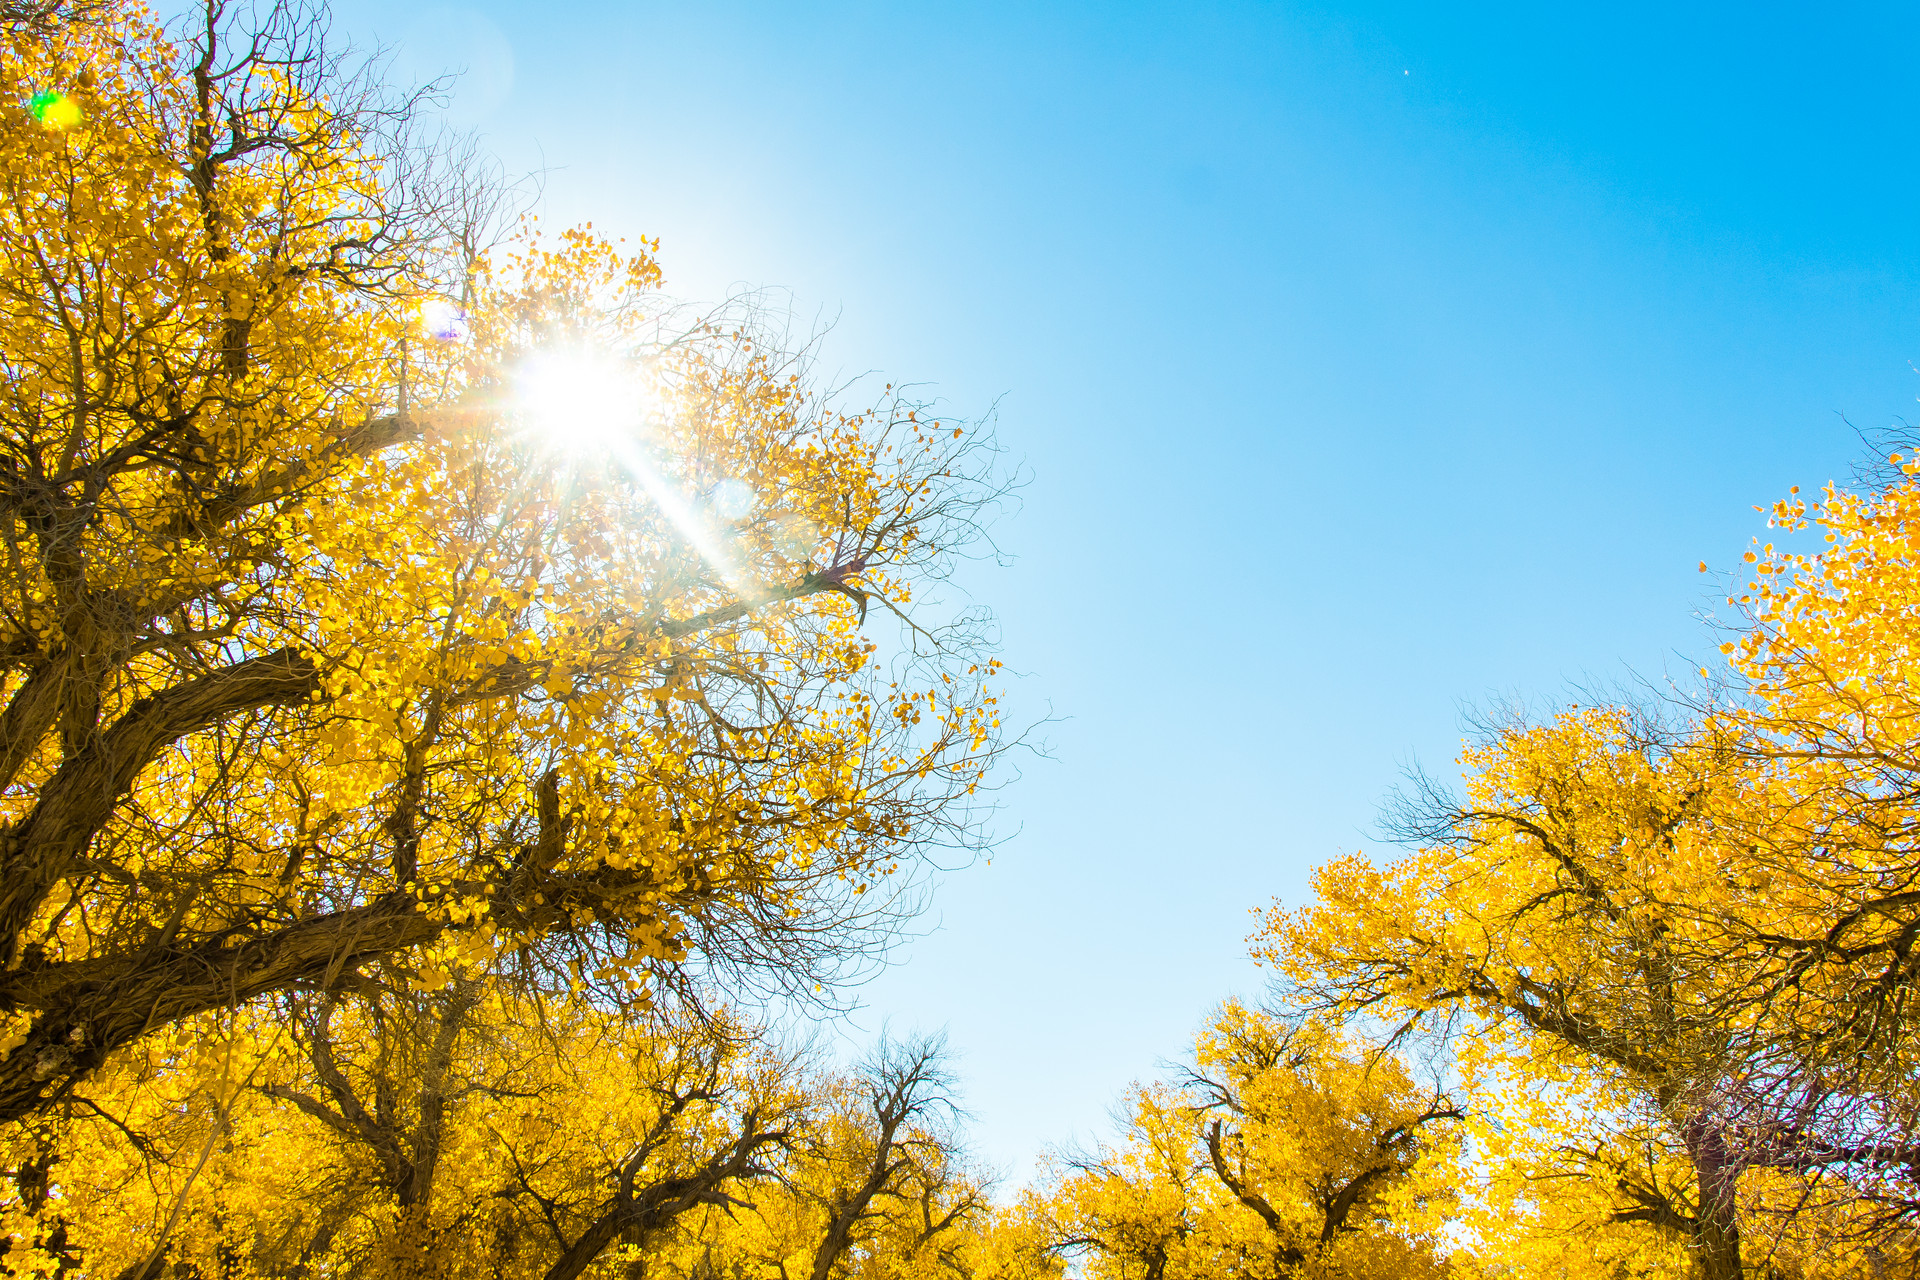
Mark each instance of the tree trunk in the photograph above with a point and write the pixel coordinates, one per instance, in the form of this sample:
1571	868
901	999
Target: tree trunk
1718	1246
1716	1237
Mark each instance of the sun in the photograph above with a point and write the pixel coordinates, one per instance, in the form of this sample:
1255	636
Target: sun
598	409
581	402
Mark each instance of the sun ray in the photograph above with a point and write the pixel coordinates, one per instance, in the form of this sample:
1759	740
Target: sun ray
592	405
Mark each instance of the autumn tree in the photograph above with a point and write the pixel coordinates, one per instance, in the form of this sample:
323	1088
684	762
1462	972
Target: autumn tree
876	1185
1318	1136
1285	1150
1820	710
366	594
571	1135
1585	920
387	1133
1827	712
1688	937
1544	906
1134	1209
686	1117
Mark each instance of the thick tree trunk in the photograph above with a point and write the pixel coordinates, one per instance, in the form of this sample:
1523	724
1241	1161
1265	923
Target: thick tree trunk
1718	1245
85	1009
1716	1239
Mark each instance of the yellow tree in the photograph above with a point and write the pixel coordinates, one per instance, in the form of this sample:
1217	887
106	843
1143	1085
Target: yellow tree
1009	1244
399	1133
1134	1209
407	1135
1828	706
179	1127
805	1172
1599	922
1827	714
643	1129
1287	1151
1331	1145
1556	910
875	1185
526	632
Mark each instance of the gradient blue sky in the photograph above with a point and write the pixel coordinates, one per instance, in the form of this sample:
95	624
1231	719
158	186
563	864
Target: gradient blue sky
1369	360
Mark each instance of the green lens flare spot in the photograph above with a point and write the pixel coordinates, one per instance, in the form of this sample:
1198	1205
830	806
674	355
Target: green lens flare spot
54	110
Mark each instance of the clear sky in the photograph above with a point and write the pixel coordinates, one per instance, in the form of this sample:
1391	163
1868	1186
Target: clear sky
1369	360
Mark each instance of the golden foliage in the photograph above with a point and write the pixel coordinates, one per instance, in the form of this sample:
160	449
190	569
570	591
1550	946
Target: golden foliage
1289	1150
431	665
435	671
319	643
1676	956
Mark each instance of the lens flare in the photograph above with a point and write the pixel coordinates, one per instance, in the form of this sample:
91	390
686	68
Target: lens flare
581	403
445	322
597	407
55	110
732	500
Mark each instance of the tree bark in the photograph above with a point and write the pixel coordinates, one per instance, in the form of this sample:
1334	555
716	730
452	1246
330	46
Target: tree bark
1717	1229
79	799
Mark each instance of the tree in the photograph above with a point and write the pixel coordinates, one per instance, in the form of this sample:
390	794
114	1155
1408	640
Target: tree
703	1112
1827	710
871	1184
1545	907
465	1134
318	643
1135	1209
1287	1151
1580	922
1317	1136
875	1185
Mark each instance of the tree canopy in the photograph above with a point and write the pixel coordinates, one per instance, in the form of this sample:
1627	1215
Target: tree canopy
328	638
452	694
437	671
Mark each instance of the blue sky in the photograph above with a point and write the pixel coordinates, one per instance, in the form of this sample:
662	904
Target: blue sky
1368	360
